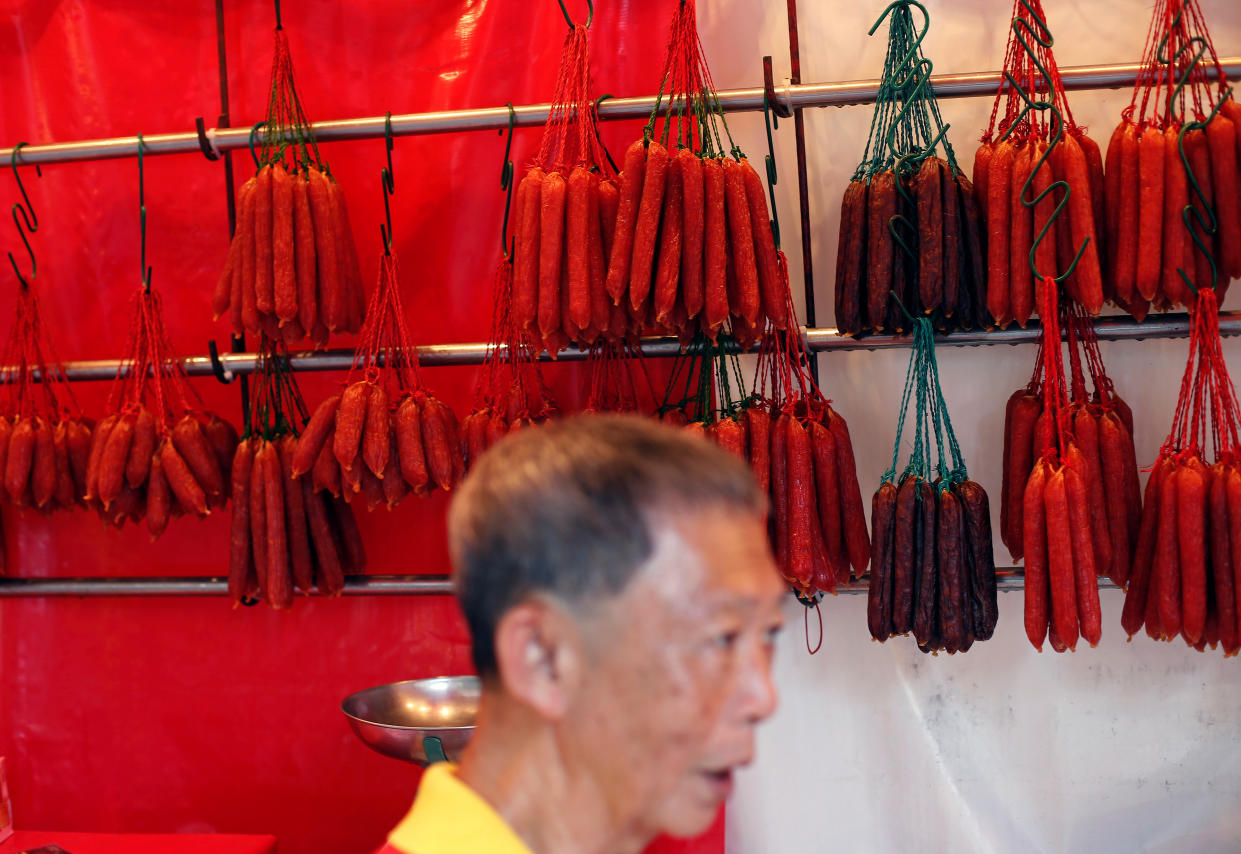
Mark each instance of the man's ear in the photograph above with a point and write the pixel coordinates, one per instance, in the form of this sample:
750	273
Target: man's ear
539	654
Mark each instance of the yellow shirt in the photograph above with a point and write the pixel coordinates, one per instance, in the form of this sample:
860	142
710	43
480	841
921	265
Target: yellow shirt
448	817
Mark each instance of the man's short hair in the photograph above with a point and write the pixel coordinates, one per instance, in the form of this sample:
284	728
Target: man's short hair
566	508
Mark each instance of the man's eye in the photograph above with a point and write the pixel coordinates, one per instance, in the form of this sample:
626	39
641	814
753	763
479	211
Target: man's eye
726	640
773	633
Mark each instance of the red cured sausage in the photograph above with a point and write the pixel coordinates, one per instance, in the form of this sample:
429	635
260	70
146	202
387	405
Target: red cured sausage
1191	515
1166	582
1019	460
1111	196
741	240
1045	257
295	519
331	576
1134	611
159	498
609	202
315	435
1094	169
1175	236
646	226
1151	167
951	595
1232	489
999	210
1222	143
693	230
191	443
857	539
771	288
1222	572
577	241
181	481
43	464
258	516
1198	152
394	486
239	554
982	166
879	593
1084	570
758	426
245	312
801	501
1088	274
353	552
620	260
279	587
375	432
284	273
1125	269
264	298
111	462
98	440
328	263
1090	469
715	262
78	441
904	555
350	420
1060	556
326	471
352	294
437	443
63	493
526	252
141	448
850	259
880	250
1115	495
304	253
827	484
1020	231
600	302
668	270
552	203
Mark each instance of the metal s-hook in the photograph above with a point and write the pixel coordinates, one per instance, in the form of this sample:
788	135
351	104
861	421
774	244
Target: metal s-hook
222	373
770	112
590	4
253	133
598	138
506	178
29	217
904	6
279	26
143	269
389	185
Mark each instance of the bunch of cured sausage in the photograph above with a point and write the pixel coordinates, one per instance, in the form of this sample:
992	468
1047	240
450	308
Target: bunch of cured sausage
1028	159
155	455
1172	171
284	535
1065	535
910	238
693	247
566	212
801	452
1185	579
1100	428
44	438
932	572
292	267
385	435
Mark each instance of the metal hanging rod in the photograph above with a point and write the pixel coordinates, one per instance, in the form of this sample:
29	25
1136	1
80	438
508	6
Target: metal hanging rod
791	96
819	340
1007	579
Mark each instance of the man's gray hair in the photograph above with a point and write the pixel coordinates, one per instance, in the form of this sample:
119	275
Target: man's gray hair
566	508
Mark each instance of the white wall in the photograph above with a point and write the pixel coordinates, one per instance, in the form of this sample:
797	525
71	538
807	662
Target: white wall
877	747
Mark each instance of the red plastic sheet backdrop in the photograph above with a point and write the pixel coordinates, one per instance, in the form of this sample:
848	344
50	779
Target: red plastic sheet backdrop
162	715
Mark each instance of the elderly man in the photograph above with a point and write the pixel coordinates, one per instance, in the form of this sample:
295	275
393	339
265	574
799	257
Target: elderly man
623	602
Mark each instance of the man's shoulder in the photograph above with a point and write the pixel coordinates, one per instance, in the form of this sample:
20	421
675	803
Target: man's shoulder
448	817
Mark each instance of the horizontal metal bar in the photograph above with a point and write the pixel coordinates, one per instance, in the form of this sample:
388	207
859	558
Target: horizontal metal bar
818	340
533	115
1007	579
355	585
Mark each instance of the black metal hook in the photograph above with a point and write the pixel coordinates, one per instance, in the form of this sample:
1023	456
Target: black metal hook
279	26
30	218
389	185
598	138
204	144
506	178
769	92
254	132
222	373
589	5
143	269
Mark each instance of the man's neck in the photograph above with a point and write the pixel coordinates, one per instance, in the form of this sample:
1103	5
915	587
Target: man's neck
516	765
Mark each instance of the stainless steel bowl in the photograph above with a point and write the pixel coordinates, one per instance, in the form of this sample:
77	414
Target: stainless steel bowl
397	719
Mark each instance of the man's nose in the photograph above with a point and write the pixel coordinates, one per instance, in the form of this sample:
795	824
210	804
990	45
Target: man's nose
757	687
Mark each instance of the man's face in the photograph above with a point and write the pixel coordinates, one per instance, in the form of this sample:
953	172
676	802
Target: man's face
680	671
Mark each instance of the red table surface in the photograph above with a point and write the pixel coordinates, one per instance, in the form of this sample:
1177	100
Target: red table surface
140	843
